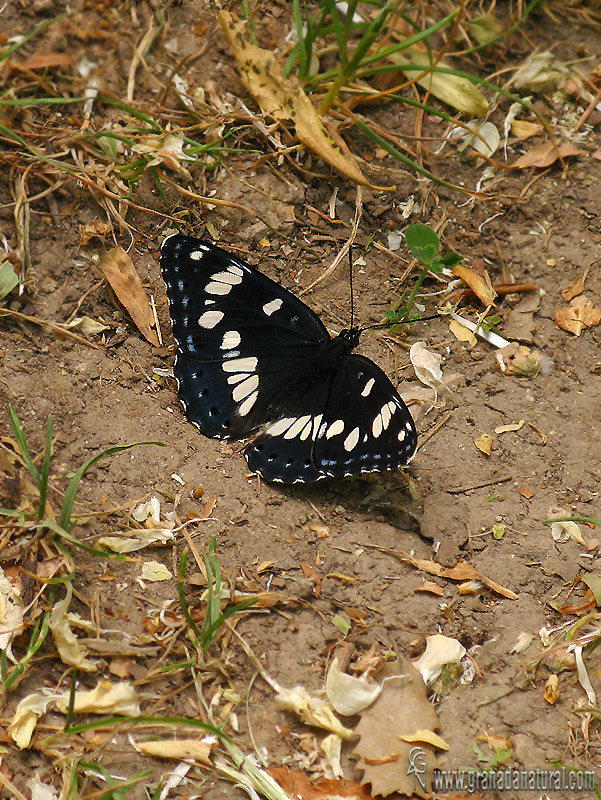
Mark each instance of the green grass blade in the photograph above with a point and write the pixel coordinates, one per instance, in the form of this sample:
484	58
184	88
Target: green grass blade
301	46
70	494
35	32
181	574
160	722
45	473
212	629
23	446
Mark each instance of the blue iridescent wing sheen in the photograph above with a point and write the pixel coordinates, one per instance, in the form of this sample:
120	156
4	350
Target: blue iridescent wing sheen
241	337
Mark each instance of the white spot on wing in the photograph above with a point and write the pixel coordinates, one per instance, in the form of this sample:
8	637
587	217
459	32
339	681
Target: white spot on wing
351	440
232	379
272	306
248	364
316	424
335	428
227	277
306	431
280	426
386	415
210	318
235	270
248	404
401	436
209	302
217	288
196	255
368	387
245	388
376	427
231	339
294	430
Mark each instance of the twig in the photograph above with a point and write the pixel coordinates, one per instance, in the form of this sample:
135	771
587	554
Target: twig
53	326
426	437
491	482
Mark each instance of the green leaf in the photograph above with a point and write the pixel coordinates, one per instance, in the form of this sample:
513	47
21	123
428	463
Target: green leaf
594	584
8	279
498	531
450	260
341	623
423	242
23	446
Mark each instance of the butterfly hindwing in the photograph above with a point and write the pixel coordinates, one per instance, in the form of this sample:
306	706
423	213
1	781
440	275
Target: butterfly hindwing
356	423
241	337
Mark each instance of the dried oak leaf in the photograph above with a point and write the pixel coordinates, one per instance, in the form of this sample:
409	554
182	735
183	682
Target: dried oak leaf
545	154
578	315
402	709
119	270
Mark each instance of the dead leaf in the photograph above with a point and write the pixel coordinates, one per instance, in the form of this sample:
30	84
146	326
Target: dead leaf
440	650
574	289
480	285
484	443
349	695
522	129
427	367
284	98
44	61
514	426
461	333
311	710
69	648
526	492
426	736
86	325
401	710
11	611
182	749
297	785
552	690
431	587
155	571
120	272
453	90
462	571
518	359
98	229
545	154
579	315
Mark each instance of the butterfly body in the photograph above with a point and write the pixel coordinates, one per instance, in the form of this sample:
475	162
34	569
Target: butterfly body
250	353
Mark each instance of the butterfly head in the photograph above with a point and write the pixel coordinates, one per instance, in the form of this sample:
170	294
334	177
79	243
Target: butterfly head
350	335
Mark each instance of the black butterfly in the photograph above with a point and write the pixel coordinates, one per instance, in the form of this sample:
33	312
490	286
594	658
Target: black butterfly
250	353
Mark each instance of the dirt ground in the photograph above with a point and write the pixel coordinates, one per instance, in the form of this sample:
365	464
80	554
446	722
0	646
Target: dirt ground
318	545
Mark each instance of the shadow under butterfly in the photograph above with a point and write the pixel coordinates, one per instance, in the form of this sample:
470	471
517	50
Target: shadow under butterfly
250	354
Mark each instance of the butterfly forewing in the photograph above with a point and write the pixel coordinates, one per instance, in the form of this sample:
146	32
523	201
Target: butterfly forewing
241	337
250	353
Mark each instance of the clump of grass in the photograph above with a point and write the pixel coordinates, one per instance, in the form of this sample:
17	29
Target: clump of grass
41	522
214	617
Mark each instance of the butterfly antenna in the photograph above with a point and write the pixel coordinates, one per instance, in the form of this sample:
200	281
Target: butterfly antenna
350	269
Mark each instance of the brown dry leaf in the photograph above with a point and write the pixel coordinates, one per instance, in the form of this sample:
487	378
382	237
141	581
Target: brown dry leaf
453	90
552	690
462	571
92	230
570	292
431	587
522	129
296	784
480	285
426	736
44	61
518	359
513	426
284	98
402	709
119	270
545	154
461	333
484	443
193	749
526	492
579	315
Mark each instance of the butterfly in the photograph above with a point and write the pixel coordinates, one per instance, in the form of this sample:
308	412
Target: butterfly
250	354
